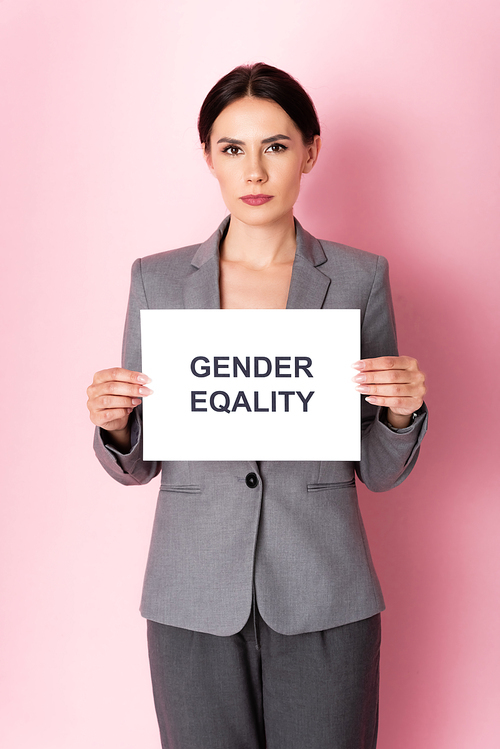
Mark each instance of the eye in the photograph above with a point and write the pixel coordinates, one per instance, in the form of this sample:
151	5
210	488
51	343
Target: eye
232	150
276	148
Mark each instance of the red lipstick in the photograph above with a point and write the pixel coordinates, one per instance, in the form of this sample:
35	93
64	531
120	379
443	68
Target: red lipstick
256	199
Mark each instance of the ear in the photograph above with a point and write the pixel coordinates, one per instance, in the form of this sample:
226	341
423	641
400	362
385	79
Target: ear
208	158
312	154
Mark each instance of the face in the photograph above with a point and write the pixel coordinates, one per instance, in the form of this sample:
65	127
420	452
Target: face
258	157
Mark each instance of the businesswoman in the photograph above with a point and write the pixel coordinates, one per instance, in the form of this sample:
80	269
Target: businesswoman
263	606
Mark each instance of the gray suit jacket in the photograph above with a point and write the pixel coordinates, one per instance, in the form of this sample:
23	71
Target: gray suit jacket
297	538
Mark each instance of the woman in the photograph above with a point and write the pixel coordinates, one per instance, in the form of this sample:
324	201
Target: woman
263	606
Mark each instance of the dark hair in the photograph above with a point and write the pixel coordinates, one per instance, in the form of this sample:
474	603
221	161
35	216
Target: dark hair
263	82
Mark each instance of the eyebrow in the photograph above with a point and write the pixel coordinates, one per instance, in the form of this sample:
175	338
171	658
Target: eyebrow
235	142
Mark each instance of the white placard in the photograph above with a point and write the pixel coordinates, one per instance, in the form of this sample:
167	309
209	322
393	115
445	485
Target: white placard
251	384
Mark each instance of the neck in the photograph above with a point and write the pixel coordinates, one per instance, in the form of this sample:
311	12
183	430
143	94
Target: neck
260	246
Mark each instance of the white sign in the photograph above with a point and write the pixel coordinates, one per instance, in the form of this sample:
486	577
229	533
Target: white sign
251	384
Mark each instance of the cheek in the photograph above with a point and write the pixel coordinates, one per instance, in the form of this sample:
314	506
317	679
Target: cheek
291	178
227	185
224	175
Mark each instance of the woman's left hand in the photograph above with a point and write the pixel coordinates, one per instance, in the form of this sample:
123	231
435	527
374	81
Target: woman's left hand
395	382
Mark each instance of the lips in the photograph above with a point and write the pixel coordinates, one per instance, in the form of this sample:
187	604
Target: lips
256	199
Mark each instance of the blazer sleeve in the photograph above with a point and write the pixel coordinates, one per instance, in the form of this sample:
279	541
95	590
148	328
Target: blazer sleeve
129	468
387	455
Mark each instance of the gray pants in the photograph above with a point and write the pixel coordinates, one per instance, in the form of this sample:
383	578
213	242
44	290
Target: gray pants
259	689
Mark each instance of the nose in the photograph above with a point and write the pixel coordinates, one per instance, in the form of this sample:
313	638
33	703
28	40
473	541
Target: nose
255	171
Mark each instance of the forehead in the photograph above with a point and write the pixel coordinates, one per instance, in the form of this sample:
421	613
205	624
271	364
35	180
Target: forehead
253	117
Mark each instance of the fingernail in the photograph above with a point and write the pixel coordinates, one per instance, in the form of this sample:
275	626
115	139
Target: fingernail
363	389
136	401
372	400
358	365
359	378
145	391
143	378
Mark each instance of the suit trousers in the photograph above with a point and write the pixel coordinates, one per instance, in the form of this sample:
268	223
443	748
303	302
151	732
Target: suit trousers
259	689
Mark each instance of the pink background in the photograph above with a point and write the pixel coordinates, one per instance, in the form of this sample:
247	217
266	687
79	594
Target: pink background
100	164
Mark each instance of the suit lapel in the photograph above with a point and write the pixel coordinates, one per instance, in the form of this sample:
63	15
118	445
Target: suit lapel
201	287
308	285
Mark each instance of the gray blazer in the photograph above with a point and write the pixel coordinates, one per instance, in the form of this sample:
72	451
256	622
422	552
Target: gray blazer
291	533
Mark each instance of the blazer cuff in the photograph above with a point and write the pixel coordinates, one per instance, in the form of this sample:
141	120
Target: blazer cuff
388	455
135	437
403	442
418	418
116	462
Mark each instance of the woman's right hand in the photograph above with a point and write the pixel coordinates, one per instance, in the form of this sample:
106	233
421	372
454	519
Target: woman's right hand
112	397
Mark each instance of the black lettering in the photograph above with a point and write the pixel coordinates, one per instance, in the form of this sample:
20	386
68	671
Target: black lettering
286	394
205	369
224	407
244	403
256	403
237	364
280	365
195	400
304	367
256	361
306	400
217	366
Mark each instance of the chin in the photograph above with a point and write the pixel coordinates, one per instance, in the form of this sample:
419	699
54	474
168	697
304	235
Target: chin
256	216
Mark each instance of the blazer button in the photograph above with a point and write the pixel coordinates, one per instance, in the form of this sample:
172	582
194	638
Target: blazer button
251	480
